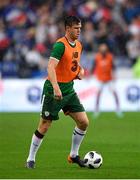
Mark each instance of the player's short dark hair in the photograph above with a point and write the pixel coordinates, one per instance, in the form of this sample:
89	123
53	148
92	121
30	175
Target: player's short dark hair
70	20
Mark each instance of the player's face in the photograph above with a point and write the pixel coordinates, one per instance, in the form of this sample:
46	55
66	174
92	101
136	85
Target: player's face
103	48
74	31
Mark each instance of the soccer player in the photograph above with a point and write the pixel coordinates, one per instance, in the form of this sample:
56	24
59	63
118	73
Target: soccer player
103	68
58	92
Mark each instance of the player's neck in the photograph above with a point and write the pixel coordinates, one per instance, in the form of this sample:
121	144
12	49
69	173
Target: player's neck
70	40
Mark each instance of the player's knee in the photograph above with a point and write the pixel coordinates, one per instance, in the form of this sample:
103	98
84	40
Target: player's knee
43	129
84	124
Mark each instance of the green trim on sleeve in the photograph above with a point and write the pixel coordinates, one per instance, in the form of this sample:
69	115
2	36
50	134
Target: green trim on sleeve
58	50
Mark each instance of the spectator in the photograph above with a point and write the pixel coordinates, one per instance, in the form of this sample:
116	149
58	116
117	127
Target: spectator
136	68
133	48
35	60
23	24
4	40
88	36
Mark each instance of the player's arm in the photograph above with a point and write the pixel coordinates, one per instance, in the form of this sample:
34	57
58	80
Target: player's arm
52	77
56	55
81	73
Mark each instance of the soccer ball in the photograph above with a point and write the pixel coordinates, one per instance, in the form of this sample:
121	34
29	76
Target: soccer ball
93	160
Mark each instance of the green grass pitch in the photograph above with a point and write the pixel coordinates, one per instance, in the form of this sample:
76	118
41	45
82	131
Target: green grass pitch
118	140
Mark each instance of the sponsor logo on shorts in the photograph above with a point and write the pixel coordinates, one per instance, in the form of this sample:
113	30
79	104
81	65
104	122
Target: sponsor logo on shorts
47	113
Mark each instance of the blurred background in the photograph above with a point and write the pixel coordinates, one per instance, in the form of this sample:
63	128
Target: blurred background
29	28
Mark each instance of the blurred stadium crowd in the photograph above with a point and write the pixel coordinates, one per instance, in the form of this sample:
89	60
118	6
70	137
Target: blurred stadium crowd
28	29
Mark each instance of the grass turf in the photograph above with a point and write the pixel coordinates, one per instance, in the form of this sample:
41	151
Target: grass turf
118	140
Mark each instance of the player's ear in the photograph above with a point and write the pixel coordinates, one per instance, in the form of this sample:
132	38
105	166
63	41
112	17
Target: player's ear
67	28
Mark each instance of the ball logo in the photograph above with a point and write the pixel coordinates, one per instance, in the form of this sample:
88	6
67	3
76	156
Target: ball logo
133	93
34	94
91	154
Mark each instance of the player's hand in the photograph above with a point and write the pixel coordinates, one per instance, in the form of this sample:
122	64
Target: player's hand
81	73
57	92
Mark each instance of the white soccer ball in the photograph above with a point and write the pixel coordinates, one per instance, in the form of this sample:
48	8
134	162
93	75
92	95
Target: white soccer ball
93	160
